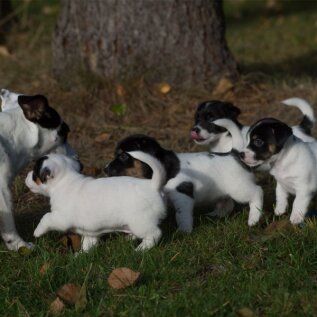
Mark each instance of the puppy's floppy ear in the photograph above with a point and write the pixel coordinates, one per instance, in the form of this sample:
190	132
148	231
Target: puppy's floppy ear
281	133
231	110
45	174
33	106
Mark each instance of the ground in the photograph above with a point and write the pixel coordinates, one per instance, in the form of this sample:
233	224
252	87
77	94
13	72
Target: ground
222	266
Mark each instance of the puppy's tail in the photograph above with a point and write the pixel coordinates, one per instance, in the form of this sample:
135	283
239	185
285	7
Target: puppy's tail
308	120
237	138
159	174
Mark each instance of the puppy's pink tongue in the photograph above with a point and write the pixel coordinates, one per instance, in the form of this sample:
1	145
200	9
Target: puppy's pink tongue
194	135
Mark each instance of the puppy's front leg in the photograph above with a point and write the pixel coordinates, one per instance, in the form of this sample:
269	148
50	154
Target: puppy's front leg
300	205
256	204
7	226
88	242
50	221
184	205
281	200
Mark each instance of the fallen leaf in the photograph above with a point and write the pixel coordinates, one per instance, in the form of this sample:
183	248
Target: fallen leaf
278	226
164	88
119	109
122	277
57	306
44	268
102	137
71	241
223	86
24	251
245	312
120	90
70	293
4	51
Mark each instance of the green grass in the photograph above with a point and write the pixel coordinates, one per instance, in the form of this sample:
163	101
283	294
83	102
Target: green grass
223	265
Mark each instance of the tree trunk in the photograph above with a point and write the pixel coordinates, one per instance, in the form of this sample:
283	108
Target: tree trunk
6	18
181	42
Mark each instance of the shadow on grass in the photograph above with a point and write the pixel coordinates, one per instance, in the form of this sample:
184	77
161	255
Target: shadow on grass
298	67
245	12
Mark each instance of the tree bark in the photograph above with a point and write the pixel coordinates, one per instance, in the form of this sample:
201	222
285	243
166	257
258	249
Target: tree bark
181	42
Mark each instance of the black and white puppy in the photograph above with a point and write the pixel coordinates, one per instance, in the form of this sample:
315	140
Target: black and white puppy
26	132
292	162
206	132
193	179
92	207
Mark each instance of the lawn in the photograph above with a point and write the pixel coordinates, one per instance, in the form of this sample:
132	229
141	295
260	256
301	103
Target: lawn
223	268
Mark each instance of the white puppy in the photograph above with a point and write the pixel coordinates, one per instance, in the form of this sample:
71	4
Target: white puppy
292	162
92	207
26	132
194	179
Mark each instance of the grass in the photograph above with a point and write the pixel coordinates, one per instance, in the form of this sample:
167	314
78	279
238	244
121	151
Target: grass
223	265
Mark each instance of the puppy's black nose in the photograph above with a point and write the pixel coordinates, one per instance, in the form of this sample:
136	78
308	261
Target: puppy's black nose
242	155
195	129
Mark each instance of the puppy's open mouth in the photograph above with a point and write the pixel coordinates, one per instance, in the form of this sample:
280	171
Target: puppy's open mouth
196	136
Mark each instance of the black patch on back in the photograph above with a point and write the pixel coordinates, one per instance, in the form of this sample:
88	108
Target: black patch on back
186	188
306	125
63	131
38	167
141	142
209	111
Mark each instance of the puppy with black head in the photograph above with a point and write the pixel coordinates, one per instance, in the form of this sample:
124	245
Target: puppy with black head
29	128
194	179
92	207
219	139
292	162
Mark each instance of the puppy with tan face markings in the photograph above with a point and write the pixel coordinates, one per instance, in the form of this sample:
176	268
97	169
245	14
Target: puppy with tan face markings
29	128
92	207
292	162
219	139
194	179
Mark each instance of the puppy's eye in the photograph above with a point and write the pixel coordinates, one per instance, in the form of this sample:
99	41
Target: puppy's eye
124	157
258	142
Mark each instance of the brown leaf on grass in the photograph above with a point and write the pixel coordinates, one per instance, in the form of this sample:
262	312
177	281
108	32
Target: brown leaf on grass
44	268
71	241
70	293
122	277
245	312
164	88
57	306
278	226
103	137
120	90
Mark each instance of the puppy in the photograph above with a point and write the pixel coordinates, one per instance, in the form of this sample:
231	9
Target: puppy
193	179
26	132
92	207
292	162
205	132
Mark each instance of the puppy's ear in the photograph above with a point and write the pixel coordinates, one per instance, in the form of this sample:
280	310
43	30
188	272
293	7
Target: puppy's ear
281	133
232	111
33	106
45	174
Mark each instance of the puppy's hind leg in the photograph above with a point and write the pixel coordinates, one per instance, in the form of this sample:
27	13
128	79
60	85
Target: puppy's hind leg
184	205
7	226
150	239
300	206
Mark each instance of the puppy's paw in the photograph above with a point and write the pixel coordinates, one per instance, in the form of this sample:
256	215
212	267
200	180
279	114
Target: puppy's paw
253	220
38	232
19	243
296	219
185	228
279	212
